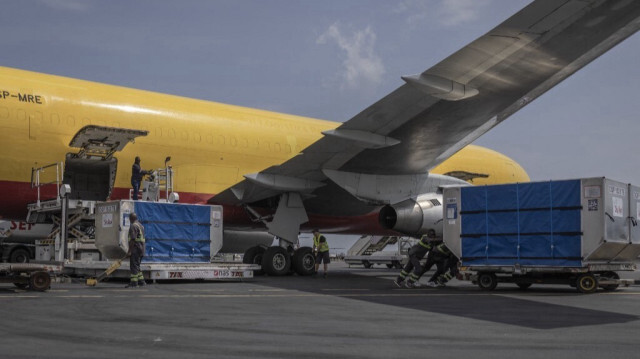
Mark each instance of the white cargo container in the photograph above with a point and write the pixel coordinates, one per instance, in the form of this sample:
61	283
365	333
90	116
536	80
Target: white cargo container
578	232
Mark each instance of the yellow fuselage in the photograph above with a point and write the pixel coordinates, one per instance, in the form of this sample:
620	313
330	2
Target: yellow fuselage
211	145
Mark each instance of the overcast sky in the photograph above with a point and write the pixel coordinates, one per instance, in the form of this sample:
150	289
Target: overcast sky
328	60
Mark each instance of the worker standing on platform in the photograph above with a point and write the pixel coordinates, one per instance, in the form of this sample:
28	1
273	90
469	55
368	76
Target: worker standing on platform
321	248
136	177
413	269
136	251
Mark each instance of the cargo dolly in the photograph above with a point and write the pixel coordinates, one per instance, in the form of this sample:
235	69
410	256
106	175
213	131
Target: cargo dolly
31	276
585	279
576	232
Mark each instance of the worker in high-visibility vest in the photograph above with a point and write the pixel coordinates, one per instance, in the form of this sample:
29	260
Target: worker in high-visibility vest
449	271
447	266
321	248
413	269
136	251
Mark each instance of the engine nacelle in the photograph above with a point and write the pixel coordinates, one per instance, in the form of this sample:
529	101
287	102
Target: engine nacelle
414	217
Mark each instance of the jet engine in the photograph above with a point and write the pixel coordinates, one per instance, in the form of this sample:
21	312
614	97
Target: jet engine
414	217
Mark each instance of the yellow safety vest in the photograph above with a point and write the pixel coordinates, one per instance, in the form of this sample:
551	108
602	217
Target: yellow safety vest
322	246
140	232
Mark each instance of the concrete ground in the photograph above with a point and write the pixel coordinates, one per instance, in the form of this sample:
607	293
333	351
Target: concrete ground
354	313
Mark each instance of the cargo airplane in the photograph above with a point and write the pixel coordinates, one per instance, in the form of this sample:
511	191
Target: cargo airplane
380	172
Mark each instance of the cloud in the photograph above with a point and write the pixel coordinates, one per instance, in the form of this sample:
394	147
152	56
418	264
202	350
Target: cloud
67	5
445	12
362	67
454	12
417	11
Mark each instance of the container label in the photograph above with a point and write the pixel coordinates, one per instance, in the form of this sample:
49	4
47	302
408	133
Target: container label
107	220
618	191
107	209
452	211
618	207
591	191
592	204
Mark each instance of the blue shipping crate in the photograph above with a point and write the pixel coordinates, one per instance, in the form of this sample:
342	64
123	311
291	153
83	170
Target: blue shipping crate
175	233
525	224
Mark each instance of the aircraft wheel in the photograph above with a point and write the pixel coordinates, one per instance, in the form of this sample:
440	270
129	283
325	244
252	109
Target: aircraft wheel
303	261
587	283
254	255
610	275
39	281
276	261
487	281
20	255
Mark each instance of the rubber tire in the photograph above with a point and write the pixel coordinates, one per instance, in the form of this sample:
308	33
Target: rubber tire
276	261
367	265
254	255
303	261
487	281
587	283
39	281
523	286
610	275
20	255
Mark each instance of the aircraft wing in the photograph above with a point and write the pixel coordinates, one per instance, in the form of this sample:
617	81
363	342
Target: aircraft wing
383	154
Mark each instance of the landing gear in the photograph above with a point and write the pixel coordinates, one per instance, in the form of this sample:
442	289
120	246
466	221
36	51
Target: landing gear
276	261
304	263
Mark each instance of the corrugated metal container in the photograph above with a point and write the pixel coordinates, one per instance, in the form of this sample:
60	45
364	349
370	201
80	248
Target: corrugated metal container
174	233
568	223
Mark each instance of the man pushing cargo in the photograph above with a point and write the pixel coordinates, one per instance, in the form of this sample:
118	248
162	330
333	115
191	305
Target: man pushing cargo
136	251
413	269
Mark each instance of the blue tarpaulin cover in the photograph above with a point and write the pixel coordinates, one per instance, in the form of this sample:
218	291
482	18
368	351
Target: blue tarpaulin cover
175	233
526	223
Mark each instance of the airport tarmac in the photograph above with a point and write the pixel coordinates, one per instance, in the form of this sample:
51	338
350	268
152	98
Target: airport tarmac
354	313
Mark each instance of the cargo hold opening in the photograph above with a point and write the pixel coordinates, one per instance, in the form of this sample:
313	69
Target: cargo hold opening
91	172
90	179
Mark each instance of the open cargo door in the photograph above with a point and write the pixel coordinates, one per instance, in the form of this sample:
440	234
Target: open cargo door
91	172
